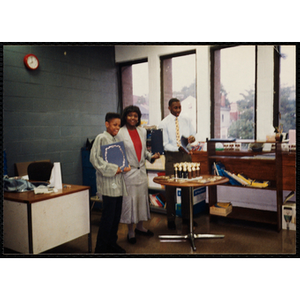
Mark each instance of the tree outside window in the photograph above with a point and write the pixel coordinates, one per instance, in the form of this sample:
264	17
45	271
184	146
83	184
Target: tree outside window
287	101
233	89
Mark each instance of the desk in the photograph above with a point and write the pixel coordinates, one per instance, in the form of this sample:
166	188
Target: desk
191	183
36	223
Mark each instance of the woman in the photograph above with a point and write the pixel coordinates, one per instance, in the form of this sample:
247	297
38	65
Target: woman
135	208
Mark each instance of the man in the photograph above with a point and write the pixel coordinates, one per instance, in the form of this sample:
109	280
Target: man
174	153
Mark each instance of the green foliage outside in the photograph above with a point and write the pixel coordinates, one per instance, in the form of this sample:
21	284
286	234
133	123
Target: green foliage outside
287	108
244	127
186	92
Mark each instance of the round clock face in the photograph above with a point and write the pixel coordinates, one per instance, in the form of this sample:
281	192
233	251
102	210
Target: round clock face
31	61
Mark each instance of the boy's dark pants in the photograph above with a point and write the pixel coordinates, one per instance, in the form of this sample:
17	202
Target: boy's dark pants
109	223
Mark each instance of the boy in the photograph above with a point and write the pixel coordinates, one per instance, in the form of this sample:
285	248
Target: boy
111	185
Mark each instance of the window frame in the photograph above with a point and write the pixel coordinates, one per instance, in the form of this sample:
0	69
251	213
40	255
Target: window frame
173	55
119	75
213	49
277	83
276	98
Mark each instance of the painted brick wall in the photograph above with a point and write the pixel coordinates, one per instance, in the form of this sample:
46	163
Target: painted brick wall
50	112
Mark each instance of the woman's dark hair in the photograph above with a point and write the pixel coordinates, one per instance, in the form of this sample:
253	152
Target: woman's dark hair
111	115
129	109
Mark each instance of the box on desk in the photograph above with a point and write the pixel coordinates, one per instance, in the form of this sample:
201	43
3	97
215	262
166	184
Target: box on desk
199	197
289	215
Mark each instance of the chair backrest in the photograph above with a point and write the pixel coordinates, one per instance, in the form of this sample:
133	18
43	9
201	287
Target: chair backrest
40	171
21	167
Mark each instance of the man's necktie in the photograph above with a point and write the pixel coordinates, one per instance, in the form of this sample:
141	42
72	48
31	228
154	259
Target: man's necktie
177	132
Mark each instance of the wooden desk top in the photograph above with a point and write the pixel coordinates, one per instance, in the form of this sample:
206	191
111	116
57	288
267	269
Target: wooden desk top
204	180
31	197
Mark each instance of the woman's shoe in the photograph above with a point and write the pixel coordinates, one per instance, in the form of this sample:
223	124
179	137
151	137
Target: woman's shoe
131	240
146	233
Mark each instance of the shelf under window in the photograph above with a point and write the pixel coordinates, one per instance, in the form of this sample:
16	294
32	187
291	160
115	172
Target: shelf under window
252	215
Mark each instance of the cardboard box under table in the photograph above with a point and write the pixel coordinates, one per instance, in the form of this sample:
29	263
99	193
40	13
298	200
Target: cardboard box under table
199	198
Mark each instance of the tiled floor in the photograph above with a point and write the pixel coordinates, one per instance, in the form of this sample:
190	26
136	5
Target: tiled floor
240	239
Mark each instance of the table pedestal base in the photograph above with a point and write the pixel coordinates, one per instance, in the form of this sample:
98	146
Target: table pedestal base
191	236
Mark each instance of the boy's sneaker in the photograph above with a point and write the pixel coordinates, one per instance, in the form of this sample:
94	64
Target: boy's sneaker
115	249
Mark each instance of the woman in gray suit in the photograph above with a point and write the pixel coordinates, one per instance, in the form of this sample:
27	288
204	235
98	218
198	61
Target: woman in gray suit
135	208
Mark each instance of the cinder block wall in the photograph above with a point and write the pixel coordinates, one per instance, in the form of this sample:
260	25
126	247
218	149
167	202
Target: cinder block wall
50	112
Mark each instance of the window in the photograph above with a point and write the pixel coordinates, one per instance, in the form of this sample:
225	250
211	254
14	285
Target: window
179	81
135	87
287	94
233	92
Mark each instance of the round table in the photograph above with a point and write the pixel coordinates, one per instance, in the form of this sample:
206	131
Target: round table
203	180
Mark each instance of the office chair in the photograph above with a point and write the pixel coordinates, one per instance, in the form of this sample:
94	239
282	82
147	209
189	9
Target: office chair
95	199
40	171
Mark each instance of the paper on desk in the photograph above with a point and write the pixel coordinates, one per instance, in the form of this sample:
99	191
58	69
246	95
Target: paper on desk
55	178
42	189
292	136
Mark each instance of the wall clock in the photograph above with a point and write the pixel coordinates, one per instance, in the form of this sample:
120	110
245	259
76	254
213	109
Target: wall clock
31	61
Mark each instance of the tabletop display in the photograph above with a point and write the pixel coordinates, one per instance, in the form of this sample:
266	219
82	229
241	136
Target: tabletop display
187	170
194	182
191	183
